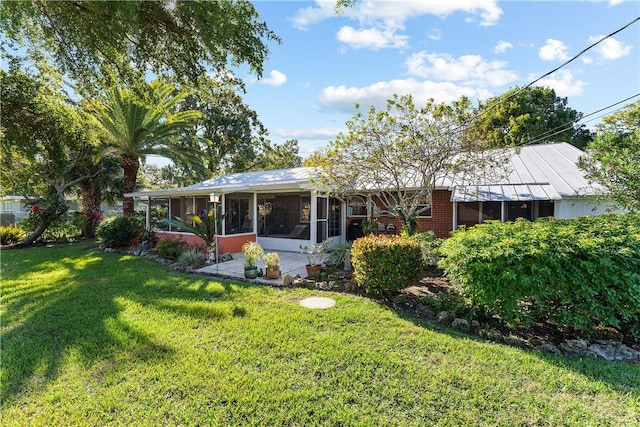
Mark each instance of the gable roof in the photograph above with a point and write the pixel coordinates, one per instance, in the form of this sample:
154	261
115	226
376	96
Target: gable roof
535	172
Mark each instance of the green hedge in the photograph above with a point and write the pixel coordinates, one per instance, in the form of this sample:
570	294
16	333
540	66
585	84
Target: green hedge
172	248
121	231
581	273
384	264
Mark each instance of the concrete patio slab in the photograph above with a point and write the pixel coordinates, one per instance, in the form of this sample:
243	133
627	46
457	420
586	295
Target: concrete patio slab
292	263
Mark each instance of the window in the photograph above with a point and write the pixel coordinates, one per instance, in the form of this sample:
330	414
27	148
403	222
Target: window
424	208
357	206
238	217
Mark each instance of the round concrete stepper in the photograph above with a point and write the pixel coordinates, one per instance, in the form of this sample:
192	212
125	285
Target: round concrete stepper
317	302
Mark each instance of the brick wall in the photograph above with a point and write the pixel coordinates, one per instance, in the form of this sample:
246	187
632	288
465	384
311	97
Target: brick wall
441	221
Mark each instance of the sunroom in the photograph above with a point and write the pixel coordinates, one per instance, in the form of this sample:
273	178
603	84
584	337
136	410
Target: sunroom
280	209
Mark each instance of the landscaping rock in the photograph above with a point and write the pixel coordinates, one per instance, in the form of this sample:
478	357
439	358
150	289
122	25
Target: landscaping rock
614	351
577	347
475	326
461	325
288	280
425	312
491	334
444	318
547	347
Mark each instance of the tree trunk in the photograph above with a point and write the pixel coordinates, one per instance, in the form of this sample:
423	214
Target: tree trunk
45	218
34	235
91	199
130	166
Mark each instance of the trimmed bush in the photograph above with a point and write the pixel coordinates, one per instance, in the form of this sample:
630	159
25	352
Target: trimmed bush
581	273
11	234
384	264
172	248
121	231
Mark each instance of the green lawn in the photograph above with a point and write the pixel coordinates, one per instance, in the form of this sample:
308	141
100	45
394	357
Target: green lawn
90	338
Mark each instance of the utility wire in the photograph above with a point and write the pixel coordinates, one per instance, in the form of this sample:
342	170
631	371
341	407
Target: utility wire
569	125
500	101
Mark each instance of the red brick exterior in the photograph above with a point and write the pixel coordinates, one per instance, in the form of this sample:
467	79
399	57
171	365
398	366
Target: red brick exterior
440	222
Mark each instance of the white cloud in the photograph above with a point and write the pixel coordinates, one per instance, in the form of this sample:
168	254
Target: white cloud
471	69
372	38
553	50
615	2
275	79
398	12
563	83
308	134
343	98
435	34
502	47
610	49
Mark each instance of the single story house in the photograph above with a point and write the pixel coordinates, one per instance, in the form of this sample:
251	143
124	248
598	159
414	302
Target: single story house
283	209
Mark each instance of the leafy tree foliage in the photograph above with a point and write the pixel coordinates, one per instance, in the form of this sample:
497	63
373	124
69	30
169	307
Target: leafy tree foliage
534	114
44	139
402	153
111	42
612	159
134	128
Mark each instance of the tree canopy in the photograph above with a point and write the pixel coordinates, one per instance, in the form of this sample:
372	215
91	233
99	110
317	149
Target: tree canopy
612	158
44	140
119	41
402	153
133	129
532	115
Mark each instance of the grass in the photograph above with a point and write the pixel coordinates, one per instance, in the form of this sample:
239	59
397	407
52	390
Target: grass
91	338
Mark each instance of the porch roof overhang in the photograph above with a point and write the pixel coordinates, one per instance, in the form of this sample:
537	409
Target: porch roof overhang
504	193
283	180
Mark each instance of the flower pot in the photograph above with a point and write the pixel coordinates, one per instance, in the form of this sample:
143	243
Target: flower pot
272	273
313	271
251	272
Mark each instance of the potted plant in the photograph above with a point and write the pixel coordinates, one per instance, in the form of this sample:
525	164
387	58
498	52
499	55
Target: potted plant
252	252
272	262
315	255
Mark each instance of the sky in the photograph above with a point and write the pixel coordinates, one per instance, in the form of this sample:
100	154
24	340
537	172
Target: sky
435	49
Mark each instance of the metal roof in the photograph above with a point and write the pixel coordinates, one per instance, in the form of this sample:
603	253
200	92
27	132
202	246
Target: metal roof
279	179
535	172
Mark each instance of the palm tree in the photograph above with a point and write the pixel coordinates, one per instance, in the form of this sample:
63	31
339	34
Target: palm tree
135	128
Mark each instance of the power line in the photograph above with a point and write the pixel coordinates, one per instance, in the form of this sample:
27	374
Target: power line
569	125
502	100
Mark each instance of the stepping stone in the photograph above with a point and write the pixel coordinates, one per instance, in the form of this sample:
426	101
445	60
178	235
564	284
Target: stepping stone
317	302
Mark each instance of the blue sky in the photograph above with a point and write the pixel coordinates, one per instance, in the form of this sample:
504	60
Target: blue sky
434	48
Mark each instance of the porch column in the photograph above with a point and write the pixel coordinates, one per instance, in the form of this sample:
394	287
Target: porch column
148	216
455	215
313	230
254	220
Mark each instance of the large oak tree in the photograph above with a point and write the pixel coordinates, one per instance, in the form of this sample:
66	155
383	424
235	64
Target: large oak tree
100	43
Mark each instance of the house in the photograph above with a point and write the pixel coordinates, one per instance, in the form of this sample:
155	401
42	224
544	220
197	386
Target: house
283	209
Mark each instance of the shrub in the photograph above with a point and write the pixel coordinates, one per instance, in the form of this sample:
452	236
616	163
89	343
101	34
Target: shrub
64	228
429	245
384	264
120	231
581	273
11	234
193	258
172	248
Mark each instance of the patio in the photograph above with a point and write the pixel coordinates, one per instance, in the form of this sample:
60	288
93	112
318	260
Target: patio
292	263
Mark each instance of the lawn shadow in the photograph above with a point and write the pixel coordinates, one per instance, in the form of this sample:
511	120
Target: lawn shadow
79	313
622	377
